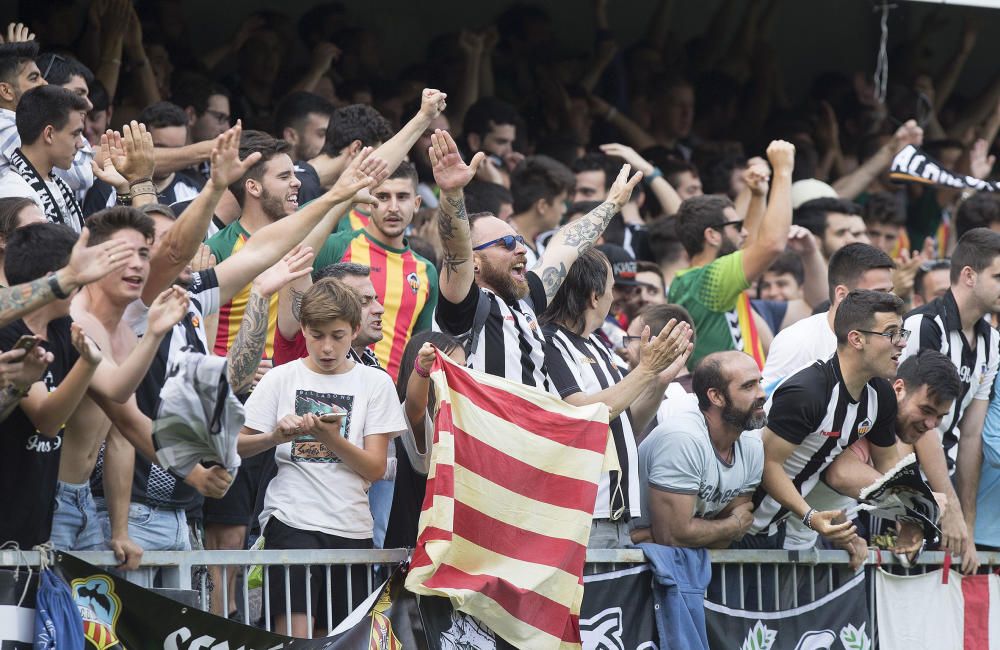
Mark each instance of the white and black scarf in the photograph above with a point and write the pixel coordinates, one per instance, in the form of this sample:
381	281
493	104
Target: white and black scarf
50	206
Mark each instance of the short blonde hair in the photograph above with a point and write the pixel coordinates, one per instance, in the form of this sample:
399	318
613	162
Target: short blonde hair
329	300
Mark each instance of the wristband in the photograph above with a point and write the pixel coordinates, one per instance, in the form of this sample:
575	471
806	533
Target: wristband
807	518
141	187
653	175
144	179
420	371
57	290
124	199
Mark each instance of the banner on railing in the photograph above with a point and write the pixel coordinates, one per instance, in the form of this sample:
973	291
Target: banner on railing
119	615
938	610
837	620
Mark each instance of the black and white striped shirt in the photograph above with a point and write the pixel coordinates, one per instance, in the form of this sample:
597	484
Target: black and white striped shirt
584	365
813	410
938	326
511	344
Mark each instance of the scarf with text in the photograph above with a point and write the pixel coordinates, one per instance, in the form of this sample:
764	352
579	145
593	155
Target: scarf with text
50	206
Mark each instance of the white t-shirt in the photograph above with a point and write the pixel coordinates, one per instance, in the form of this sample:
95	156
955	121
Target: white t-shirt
795	347
314	489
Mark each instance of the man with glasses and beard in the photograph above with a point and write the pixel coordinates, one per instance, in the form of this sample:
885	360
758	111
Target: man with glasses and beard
816	413
698	471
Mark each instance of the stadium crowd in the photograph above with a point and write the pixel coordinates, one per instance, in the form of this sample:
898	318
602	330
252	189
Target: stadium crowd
773	322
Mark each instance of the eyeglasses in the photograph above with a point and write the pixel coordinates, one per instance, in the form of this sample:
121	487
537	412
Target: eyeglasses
738	223
509	242
48	68
629	340
895	336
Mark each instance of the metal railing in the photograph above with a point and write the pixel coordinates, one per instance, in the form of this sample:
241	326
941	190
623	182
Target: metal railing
748	579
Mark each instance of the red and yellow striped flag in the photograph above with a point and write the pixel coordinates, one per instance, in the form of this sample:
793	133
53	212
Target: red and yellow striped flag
510	498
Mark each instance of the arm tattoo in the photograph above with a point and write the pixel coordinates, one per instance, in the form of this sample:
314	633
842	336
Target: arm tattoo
446	229
458	205
17	301
248	346
582	233
9	400
552	279
452	263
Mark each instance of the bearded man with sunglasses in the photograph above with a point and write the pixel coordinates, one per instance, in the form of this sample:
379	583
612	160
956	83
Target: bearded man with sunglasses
727	257
487	295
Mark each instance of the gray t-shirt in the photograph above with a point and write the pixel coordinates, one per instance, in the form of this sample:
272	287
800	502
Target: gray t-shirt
678	457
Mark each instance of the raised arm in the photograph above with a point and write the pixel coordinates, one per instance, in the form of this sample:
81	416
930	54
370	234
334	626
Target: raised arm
772	235
576	238
665	193
182	241
852	185
271	242
248	346
451	175
126	162
48	411
86	265
119	382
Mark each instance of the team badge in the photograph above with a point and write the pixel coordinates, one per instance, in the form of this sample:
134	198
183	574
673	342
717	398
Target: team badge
99	607
414	282
382	636
865	426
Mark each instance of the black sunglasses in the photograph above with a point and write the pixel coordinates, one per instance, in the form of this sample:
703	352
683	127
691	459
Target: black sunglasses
736	222
509	242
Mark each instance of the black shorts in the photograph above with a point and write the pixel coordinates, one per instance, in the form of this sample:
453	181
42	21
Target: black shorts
236	507
279	535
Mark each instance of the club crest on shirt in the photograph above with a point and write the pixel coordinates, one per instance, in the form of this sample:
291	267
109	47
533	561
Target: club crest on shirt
414	282
865	426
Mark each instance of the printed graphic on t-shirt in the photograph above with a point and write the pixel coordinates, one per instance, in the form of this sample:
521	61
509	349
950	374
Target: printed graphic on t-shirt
306	449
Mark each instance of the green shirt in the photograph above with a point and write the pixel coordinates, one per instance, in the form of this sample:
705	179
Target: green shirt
710	295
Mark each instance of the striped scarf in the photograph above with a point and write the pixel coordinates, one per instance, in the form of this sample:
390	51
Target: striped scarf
50	207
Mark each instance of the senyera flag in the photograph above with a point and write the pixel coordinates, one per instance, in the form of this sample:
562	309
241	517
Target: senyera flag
510	497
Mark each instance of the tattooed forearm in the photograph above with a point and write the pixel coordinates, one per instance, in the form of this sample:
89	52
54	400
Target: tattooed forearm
452	263
17	301
552	279
582	233
457	204
446	229
248	347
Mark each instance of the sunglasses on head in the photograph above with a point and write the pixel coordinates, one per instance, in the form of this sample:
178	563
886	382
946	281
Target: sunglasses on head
509	242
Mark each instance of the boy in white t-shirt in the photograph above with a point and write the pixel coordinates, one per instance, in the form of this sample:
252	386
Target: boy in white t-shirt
319	497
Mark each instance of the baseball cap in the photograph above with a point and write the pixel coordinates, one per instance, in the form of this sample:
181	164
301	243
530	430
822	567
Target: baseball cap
623	265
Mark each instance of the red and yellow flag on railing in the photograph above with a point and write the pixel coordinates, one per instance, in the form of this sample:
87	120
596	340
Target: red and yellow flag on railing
510	498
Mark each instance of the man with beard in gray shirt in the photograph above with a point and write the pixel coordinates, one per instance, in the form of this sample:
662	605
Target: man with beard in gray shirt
698	471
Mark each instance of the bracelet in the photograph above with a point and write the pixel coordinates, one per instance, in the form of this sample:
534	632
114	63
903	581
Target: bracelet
420	371
57	290
124	200
807	518
141	187
653	175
